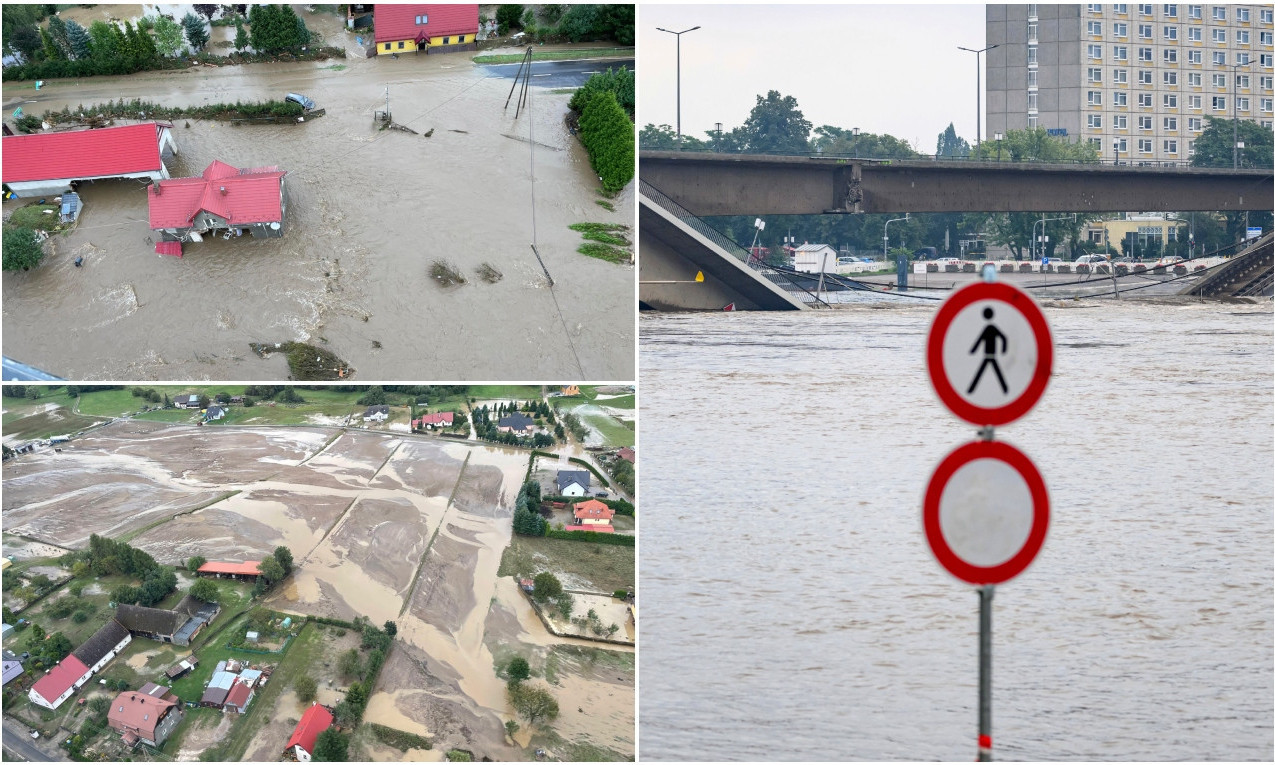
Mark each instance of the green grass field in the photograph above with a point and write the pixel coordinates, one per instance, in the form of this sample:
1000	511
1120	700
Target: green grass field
608	567
520	392
614	431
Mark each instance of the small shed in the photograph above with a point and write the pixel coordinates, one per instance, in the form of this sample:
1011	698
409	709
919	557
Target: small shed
70	207
253	636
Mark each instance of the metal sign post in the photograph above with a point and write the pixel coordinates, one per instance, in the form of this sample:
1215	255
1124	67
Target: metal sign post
985	672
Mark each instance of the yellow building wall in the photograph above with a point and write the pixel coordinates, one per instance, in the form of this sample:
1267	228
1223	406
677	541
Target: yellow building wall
409	46
1114	230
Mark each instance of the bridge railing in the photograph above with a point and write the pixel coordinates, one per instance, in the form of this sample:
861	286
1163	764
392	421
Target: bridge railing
1123	161
730	246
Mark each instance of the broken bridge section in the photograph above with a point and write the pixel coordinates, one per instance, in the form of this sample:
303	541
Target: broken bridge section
1250	273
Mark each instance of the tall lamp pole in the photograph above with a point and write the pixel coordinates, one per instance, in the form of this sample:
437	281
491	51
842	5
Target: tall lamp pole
679	79
978	90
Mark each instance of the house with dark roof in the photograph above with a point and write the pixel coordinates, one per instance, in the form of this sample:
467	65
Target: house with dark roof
214	413
182	667
224	198
430	28
146	717
377	413
60	683
104	645
46	164
177	627
515	423
186	401
573	483
12	667
301	744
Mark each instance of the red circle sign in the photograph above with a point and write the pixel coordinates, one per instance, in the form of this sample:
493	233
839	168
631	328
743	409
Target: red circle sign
1008	378
1004	472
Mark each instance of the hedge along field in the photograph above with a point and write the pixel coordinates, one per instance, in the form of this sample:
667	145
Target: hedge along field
607	134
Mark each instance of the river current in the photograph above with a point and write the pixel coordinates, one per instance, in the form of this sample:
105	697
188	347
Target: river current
794	610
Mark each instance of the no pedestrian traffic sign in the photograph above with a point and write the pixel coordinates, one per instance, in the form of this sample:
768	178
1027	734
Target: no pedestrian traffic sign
989	353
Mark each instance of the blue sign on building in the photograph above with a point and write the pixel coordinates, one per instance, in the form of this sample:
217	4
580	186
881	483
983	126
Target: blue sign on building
1057	131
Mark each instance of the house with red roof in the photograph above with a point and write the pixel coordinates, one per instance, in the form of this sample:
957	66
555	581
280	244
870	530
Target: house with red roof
434	421
429	28
240	695
626	453
248	570
148	715
61	681
315	720
43	164
592	515
224	198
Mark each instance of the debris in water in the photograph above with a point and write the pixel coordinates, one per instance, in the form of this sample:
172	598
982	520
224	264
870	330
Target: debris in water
454	130
430	133
446	274
489	273
306	362
376	344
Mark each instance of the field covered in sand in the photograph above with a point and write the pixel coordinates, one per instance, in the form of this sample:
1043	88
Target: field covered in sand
384	525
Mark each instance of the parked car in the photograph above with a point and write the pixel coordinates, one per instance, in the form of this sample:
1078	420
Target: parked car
949	262
297	98
35	734
1092	260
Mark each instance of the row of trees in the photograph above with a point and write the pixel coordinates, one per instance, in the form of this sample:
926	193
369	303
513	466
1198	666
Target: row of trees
527	519
572	22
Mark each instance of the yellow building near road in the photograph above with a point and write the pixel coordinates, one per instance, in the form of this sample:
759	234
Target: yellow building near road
1147	228
431	28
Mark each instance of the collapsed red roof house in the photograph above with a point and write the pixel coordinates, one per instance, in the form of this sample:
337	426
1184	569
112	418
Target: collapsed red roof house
47	163
224	197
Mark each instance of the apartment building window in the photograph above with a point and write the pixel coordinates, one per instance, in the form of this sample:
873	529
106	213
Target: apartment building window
1241	37
1241	103
1219	103
1241	59
1171	123
1031	11
1095	74
1194	79
1122	145
1120	121
1033	120
1095	7
1266	38
1268	15
1171	78
1120	30
1266	105
1120	52
1194	34
1170	147
1096	143
1144	123
1241	14
1095	98
1219	13
1144	100
1031	54
1031	101
1095	52
1193	102
1095	121
1120	98
1242	81
1120	76
1144	54
1171	11
1219	58
1145	10
1195	57
1219	35
1031	78
1170	33
1121	8
1144	145
1144	76
1265	60
1190	148
1031	34
1194	124
1144	31
1095	28
1170	101
1195	12
1219	81
1170	55
1266	82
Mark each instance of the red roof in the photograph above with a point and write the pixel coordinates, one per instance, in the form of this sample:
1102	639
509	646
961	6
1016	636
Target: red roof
60	678
239	695
138	712
398	22
315	720
626	453
105	152
169	248
438	418
601	529
594	510
241	197
248	567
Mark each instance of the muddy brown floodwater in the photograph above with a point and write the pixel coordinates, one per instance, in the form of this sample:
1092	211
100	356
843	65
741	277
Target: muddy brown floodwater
368	213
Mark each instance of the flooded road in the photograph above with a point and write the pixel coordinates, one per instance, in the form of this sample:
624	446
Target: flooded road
814	623
368	213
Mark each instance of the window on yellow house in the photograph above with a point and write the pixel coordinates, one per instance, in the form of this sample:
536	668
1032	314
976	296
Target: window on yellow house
447	40
400	45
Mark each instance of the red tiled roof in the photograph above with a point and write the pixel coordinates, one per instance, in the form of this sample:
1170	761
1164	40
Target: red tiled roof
104	152
138	712
251	196
438	418
315	720
248	567
592	527
593	509
238	696
398	22
169	248
626	453
60	678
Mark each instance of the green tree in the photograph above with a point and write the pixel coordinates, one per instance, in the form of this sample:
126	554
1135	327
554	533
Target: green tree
58	33
26	40
205	590
776	126
196	31
1035	145
565	604
306	688
51	50
194	562
375	396
168	36
950	144
22	249
348	665
284	556
331	746
547	586
241	43
518	669
508	17
1213	147
78	38
271	570
607	134
391	628
534	702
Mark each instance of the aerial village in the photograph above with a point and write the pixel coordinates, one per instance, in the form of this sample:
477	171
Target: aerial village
364	161
279	573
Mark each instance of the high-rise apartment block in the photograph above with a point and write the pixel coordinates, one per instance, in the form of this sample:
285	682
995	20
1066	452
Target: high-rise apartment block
1137	81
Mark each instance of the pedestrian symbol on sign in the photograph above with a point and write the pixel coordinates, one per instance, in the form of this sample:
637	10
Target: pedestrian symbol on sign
988	340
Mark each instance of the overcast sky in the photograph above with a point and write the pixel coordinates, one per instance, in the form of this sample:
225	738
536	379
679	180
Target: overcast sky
882	68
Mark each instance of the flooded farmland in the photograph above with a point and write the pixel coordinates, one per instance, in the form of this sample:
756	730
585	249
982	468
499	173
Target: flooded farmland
383	525
368	214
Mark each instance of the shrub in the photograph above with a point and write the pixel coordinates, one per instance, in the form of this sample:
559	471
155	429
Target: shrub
22	250
621	82
508	17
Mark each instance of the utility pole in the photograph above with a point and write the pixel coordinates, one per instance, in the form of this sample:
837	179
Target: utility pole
679	78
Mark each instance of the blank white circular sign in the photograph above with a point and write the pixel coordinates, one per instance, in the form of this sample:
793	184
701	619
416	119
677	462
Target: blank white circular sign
985	512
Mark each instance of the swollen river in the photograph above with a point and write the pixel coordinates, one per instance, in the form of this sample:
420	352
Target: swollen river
794	610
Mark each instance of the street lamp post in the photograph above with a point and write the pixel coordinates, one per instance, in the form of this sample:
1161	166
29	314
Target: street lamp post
978	90
1115	146
999	138
679	79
